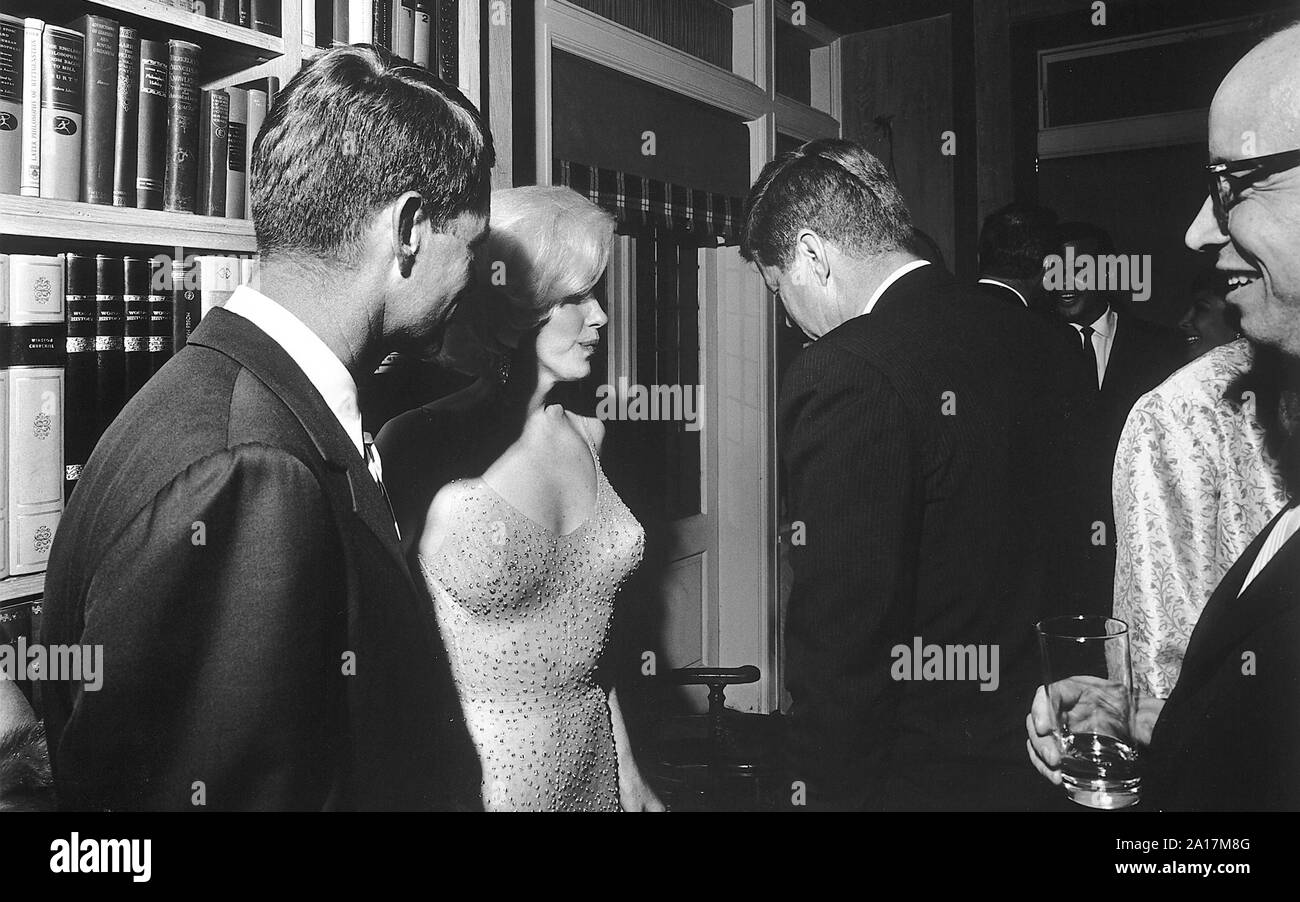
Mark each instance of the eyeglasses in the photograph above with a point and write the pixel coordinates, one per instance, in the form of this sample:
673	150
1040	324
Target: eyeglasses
1229	179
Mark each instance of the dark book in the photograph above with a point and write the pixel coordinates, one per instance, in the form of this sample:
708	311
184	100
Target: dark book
266	16
79	375
214	121
128	117
63	106
446	28
160	315
151	129
181	173
246	13
11	104
186	303
135	329
227	11
110	345
99	125
381	23
324	22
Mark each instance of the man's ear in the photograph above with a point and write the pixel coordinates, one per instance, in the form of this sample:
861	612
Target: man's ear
408	219
810	247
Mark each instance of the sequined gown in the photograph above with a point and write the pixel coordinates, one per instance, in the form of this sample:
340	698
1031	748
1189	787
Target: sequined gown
526	614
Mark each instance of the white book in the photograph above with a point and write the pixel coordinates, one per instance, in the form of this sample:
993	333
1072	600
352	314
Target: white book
404	31
34	414
257	103
248	271
359	22
30	177
219	276
4	423
421	55
308	24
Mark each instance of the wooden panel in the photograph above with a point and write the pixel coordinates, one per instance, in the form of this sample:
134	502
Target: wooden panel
993	112
905	71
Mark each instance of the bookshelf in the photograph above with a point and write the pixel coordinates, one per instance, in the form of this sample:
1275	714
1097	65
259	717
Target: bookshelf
16	588
75	221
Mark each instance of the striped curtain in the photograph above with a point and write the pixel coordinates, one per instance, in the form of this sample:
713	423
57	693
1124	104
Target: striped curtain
636	200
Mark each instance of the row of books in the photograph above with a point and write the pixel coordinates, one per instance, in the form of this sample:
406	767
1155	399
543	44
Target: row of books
417	30
259	15
702	28
82	334
109	118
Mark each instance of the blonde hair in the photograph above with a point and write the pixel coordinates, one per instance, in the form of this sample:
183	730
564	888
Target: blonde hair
545	244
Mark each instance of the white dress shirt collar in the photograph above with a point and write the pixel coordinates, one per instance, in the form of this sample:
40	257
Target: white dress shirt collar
990	281
893	277
325	371
1103	328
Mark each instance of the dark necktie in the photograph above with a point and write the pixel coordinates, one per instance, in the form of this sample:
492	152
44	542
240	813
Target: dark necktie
1090	352
373	465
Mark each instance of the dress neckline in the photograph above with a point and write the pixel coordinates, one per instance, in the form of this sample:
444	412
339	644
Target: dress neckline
595	507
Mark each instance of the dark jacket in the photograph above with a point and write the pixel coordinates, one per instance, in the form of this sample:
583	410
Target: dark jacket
264	644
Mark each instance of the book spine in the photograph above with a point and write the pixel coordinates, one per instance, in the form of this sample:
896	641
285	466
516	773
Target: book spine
324	23
340	33
359	21
246	13
126	132
308	23
421	53
35	344
266	16
110	347
404	29
381	18
30	176
227	11
4	421
79	374
11	104
63	107
185	303
181	173
257	103
447	46
102	40
237	154
214	121
160	315
135	328
151	129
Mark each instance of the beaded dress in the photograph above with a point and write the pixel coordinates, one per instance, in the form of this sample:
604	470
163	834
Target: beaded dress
526	613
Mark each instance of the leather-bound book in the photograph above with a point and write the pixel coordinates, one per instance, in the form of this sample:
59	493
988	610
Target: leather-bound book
35	345
214	122
99	124
110	345
79	431
63	107
181	176
151	105
11	104
160	315
266	16
135	331
126	132
237	154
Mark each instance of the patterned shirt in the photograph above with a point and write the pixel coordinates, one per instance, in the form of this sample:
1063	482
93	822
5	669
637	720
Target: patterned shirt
1192	488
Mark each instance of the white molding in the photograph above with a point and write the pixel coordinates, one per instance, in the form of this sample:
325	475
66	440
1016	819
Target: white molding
542	98
563	26
743	61
620	291
1137	133
802	121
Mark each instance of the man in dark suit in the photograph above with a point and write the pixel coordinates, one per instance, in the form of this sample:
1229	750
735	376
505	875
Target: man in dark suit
915	448
229	544
1125	357
1227	737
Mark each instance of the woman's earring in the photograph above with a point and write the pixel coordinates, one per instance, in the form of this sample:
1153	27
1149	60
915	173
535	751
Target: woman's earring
503	369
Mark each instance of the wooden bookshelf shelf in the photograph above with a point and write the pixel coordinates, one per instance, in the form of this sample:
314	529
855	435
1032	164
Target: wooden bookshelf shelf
197	26
45	218
14	588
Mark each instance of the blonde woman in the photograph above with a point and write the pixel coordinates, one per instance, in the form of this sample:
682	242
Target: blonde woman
520	538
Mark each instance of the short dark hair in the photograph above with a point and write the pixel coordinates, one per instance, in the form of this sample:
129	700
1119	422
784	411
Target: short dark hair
1015	239
354	129
834	187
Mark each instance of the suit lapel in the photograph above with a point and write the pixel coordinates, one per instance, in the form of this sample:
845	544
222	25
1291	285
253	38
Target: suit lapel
250	347
1228	619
